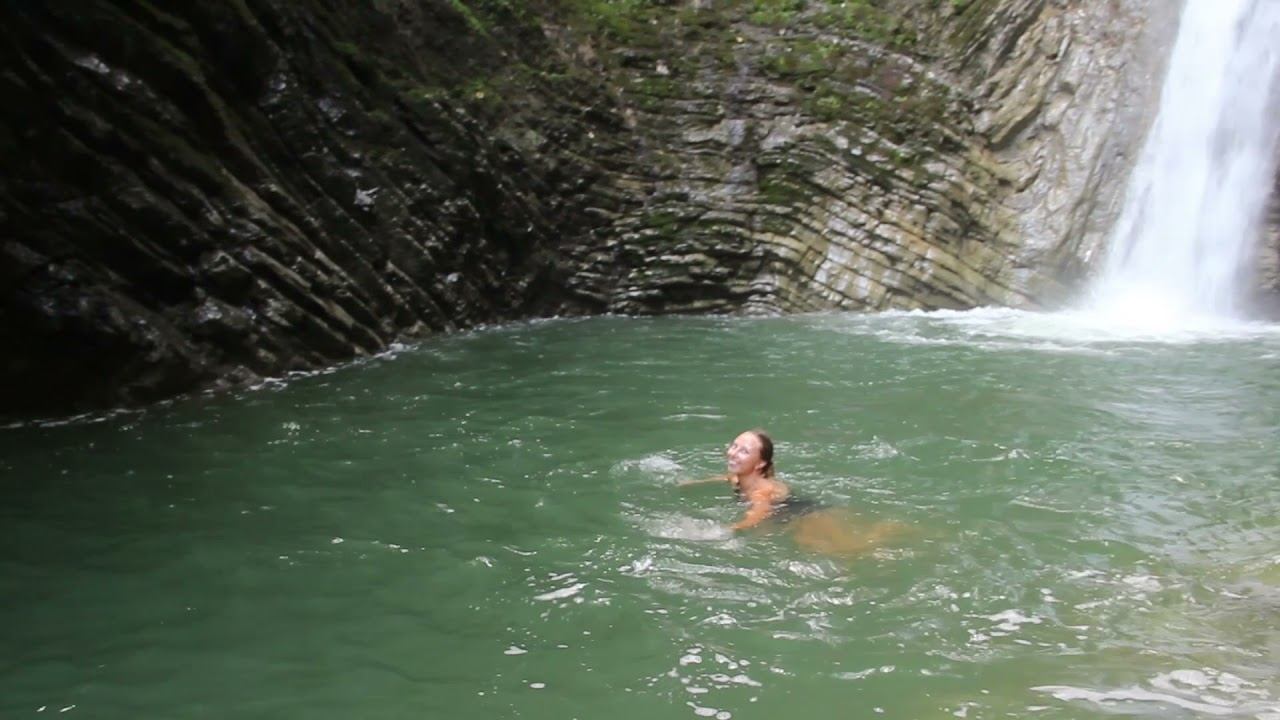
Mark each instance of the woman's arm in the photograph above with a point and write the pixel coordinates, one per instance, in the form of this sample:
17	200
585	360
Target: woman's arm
756	514
762	504
703	481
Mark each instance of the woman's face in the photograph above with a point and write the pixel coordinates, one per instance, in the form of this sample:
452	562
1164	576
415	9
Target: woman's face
743	454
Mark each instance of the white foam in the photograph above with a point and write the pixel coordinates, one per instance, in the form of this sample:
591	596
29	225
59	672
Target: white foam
680	527
657	464
1077	329
562	593
1144	583
1066	692
1011	620
877	450
1072	331
639	566
1205	690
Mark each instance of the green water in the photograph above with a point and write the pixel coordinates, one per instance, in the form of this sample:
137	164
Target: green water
487	525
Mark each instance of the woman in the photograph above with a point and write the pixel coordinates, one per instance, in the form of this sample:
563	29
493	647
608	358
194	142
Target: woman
749	460
750	463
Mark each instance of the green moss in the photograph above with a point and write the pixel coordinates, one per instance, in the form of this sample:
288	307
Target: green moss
346	49
866	20
482	94
472	20
803	57
626	21
655	87
776	13
415	94
973	16
833	102
701	21
778	189
665	220
828	107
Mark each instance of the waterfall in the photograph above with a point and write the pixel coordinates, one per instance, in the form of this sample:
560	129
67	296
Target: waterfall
1194	204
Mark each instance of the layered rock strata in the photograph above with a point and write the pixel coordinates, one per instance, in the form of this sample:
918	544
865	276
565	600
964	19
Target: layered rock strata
201	195
206	193
896	158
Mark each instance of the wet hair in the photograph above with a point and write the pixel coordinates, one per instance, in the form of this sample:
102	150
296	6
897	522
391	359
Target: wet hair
766	451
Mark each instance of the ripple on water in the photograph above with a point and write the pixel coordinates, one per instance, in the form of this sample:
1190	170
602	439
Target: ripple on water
673	526
658	464
1098	526
1204	691
713	679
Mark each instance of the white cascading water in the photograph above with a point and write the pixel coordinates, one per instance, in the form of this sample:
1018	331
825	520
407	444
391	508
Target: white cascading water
1195	201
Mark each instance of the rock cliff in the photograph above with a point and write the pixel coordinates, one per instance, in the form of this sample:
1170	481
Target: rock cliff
800	156
199	195
207	193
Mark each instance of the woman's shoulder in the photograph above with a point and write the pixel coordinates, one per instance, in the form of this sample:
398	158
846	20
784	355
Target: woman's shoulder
780	491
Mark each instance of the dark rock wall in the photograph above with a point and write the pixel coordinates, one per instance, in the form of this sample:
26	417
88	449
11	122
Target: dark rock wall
205	193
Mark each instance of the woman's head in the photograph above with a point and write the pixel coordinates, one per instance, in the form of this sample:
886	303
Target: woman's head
751	452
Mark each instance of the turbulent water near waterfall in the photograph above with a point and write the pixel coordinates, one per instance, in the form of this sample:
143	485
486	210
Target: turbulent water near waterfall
1192	210
488	526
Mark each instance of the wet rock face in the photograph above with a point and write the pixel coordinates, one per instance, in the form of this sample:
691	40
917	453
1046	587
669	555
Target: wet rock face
1266	300
205	193
911	155
197	195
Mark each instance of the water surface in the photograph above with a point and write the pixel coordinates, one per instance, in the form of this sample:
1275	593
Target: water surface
487	525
